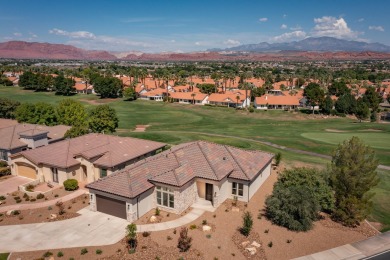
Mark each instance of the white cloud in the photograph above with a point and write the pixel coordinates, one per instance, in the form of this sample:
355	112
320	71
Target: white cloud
33	35
264	19
173	41
283	26
333	27
284	16
74	35
17	34
197	43
361	20
231	42
291	36
376	28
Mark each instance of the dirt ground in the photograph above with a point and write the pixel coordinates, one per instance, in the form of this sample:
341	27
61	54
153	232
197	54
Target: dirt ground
55	193
223	241
43	214
3	178
163	217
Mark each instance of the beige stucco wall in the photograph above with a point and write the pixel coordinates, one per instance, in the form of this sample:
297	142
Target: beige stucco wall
256	184
245	191
201	187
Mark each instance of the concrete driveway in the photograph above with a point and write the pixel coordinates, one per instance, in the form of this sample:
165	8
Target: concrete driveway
89	229
10	185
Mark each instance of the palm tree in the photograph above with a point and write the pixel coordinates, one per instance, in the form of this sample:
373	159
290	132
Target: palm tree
237	99
193	97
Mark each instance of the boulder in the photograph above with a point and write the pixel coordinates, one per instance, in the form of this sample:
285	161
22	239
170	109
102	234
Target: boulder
235	209
9	212
53	216
251	250
153	219
255	244
245	243
206	228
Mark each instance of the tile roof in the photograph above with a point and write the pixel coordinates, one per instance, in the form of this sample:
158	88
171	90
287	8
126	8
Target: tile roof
111	150
9	136
7	122
188	95
181	164
278	100
227	97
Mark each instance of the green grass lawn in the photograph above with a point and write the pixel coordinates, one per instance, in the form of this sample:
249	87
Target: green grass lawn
4	256
176	123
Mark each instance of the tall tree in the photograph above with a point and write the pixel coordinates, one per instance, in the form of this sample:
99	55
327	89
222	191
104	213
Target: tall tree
8	107
314	95
103	118
108	87
362	111
353	174
71	112
327	105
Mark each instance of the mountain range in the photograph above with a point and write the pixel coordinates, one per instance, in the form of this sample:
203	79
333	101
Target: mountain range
322	48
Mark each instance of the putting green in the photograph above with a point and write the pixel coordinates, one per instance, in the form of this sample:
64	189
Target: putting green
375	140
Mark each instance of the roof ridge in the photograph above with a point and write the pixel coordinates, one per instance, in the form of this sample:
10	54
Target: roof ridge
67	154
12	137
227	149
207	160
174	171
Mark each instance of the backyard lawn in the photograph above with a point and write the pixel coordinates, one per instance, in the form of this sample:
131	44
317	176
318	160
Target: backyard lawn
176	123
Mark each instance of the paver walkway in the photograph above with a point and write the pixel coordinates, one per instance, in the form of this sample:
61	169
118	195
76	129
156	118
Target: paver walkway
88	229
10	185
43	204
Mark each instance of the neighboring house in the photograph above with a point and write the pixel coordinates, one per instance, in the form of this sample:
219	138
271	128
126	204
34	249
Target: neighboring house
189	98
229	100
276	102
175	179
155	94
85	158
83	88
19	137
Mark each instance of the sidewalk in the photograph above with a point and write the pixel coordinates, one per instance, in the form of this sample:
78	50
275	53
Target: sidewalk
188	218
44	203
354	251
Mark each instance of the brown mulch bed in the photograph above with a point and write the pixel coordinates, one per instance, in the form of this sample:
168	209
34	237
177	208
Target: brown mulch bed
147	249
163	217
43	214
229	204
51	195
239	239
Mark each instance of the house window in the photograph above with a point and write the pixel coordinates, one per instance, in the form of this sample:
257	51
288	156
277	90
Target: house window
54	172
3	155
165	197
238	189
103	173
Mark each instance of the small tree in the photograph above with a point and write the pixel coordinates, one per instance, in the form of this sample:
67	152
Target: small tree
247	223
184	241
353	174
103	118
362	111
278	158
131	235
129	94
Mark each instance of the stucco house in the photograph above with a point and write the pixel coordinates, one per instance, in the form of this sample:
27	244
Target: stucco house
196	98
277	102
15	137
85	158
229	99
176	178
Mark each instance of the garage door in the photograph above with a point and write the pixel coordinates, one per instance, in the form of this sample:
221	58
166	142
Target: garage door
27	171
111	206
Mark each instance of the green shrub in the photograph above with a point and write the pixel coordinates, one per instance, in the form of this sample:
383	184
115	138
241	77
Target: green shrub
184	241
145	234
47	254
30	187
60	254
18	201
17	198
204	222
40	196
3	164
2	197
84	251
25	195
71	184
99	252
157	212
247	223
15	212
193	226
208	236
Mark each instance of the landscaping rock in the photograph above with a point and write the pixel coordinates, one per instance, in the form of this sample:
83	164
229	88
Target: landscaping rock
255	244
153	219
206	228
9	212
245	243
53	216
235	209
251	250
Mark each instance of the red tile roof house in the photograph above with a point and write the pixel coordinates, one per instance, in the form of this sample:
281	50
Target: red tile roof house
154	94
85	158
229	99
15	137
189	98
175	179
277	102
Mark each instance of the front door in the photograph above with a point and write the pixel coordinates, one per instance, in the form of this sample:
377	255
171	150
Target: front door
209	192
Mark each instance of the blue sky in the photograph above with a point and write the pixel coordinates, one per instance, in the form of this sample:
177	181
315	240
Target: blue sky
186	25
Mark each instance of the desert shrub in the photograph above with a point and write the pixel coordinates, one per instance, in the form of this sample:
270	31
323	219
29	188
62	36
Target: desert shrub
169	238
145	234
60	254
2	197
25	195
208	236
30	187
3	164
49	208
174	231
247	223
270	244
99	251
15	212
33	199
5	171
131	234
18	201
40	196
47	254
184	241
193	226
71	184
56	196
251	109
204	222
278	158
61	207
289	241
266	231
157	212
84	251
17	198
